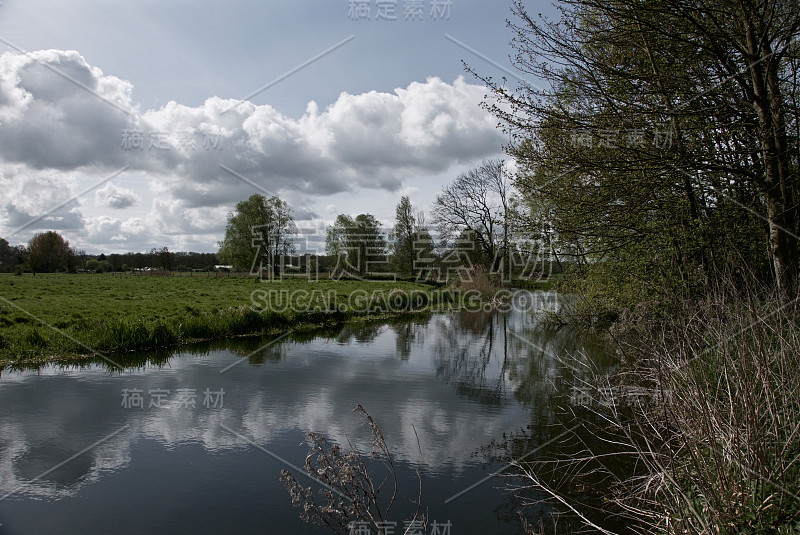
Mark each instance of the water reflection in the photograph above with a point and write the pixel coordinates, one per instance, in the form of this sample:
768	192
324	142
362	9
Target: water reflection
409	333
453	382
468	357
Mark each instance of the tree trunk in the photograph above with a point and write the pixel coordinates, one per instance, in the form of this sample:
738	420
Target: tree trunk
777	180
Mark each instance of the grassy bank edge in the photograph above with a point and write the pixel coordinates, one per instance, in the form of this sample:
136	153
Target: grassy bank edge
126	335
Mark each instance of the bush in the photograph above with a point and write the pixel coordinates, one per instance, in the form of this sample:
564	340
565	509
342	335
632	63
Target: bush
477	278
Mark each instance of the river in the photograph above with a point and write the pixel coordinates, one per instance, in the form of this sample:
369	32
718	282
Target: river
194	441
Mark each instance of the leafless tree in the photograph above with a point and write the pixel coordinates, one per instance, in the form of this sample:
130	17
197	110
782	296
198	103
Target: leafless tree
479	202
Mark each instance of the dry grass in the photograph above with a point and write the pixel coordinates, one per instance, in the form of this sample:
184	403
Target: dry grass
476	278
350	500
719	452
723	453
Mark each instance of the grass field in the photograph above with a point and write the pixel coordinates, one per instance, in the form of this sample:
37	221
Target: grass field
62	317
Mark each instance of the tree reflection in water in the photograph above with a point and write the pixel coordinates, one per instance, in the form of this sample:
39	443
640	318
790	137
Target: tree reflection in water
497	358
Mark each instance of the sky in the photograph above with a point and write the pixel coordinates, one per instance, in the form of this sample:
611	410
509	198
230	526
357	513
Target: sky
131	125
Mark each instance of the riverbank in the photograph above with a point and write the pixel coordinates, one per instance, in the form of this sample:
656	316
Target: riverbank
725	448
706	401
68	317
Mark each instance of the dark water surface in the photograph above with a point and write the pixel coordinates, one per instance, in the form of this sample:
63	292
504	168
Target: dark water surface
78	455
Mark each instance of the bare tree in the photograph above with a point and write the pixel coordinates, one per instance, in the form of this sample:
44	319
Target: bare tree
479	202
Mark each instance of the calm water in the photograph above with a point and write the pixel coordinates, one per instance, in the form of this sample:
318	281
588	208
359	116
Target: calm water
78	455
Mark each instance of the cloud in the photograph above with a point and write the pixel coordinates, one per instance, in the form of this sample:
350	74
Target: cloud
58	112
38	201
59	116
372	140
115	197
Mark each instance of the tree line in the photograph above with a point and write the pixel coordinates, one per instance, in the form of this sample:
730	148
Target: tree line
660	154
49	252
478	219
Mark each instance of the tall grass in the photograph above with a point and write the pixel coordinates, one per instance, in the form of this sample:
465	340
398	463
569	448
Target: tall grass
718	448
723	454
351	499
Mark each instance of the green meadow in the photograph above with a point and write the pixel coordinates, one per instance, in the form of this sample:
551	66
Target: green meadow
68	316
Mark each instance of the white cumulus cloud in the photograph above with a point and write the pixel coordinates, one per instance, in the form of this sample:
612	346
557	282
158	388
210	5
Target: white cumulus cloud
60	116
